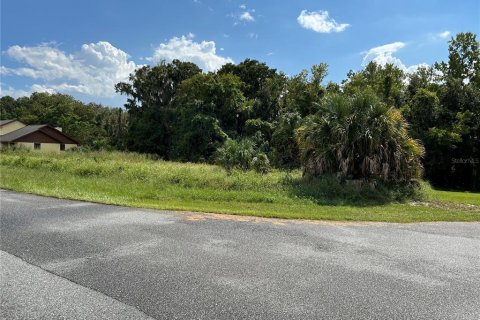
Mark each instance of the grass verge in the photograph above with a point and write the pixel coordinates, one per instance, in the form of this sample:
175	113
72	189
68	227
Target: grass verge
138	181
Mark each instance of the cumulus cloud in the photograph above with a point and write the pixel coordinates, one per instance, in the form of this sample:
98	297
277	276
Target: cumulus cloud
93	70
385	55
415	67
246	16
184	48
444	34
319	21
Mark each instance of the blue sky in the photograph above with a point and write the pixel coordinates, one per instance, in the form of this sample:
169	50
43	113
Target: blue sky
84	47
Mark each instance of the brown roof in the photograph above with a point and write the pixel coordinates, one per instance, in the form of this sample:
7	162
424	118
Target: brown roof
47	130
4	122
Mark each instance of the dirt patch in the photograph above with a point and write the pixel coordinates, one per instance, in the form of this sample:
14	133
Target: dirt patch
197	217
446	205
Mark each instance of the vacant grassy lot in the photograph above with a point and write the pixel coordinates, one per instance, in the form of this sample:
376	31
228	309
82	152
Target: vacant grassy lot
135	180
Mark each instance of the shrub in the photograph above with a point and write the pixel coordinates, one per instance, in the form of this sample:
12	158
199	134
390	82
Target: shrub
242	154
260	163
328	189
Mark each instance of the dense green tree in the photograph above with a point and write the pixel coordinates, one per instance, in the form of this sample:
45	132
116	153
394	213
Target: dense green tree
387	82
422	112
210	107
304	91
154	87
198	136
254	126
8	108
453	143
284	143
422	78
262	86
462	60
150	92
220	96
252	73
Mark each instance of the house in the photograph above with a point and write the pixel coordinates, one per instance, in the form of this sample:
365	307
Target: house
34	137
7	126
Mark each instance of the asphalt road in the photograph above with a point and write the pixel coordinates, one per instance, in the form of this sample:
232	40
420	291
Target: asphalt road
75	260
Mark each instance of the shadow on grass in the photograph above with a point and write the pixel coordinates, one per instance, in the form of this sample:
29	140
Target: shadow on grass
328	190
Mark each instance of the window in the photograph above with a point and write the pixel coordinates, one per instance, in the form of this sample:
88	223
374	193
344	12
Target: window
36	146
62	146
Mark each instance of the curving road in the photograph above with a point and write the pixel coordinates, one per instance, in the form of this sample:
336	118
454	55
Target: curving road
76	260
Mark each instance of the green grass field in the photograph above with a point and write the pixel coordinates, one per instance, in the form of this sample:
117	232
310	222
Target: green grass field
138	181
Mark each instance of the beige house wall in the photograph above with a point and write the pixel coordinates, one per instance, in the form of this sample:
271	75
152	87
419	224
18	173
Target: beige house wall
9	127
45	147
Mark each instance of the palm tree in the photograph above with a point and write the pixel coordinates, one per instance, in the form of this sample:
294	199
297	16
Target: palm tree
359	137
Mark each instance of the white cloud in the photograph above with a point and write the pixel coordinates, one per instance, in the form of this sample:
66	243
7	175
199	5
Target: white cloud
253	35
12	92
246	16
385	55
319	21
415	67
185	49
93	71
96	67
444	34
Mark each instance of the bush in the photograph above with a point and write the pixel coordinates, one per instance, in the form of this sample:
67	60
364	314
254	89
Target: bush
328	189
260	163
242	154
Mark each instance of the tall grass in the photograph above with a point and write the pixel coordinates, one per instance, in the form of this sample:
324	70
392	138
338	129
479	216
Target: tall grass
138	167
141	180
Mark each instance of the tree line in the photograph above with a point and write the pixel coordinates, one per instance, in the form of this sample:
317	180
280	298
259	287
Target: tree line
94	126
379	123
